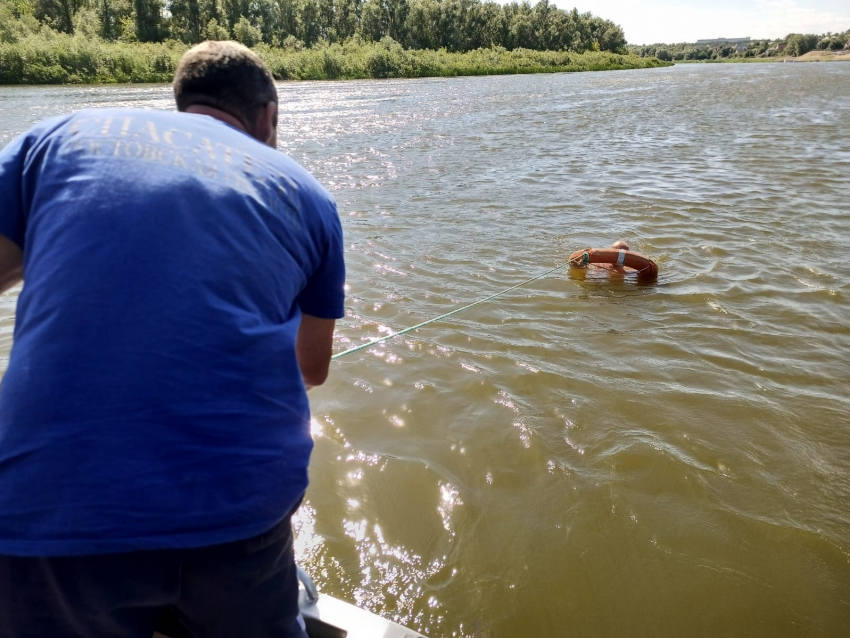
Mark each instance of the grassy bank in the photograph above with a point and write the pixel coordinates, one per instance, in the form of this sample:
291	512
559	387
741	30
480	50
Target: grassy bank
66	59
824	56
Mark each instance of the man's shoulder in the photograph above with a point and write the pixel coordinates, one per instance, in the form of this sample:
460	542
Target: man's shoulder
113	114
291	174
38	132
79	121
196	138
122	111
298	174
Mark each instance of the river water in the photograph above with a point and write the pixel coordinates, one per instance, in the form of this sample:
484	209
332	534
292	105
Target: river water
584	455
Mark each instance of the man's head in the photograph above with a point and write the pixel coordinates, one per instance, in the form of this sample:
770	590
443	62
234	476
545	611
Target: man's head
230	78
620	245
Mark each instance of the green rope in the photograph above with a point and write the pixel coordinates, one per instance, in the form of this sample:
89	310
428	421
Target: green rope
369	344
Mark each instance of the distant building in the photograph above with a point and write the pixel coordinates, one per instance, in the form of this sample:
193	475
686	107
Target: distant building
718	41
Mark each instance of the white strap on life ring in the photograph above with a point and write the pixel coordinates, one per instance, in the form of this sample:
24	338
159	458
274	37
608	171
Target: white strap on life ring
621	259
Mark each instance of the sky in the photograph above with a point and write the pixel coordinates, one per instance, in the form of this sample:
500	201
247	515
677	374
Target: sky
669	21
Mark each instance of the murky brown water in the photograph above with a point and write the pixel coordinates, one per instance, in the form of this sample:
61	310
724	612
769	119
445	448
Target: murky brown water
583	456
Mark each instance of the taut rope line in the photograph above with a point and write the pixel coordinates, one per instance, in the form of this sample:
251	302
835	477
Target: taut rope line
393	335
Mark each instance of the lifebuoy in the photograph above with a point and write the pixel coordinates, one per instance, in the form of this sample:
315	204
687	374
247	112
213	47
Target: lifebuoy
645	267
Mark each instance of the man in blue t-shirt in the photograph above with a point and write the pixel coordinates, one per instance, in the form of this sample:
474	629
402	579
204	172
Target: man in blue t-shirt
182	279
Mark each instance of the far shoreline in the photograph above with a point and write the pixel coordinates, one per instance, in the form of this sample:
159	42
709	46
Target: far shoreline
811	56
53	62
759	61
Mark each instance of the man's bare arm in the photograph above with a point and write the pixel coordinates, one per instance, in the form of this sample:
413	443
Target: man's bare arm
313	347
11	264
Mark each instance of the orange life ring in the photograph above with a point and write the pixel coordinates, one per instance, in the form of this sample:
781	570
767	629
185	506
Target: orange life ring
645	267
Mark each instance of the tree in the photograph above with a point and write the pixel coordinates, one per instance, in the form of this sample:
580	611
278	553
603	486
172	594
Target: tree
110	14
346	18
541	18
16	21
211	9
327	28
800	44
215	31
483	26
58	14
148	14
264	16
396	12
520	26
247	33
87	24
457	25
421	26
494	27
610	36
309	22
185	20
832	42
373	20
288	21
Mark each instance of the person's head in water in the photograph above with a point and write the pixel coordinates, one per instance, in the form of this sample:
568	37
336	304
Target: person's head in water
620	245
230	82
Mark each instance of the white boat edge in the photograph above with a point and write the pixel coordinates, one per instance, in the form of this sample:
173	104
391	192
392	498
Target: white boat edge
329	617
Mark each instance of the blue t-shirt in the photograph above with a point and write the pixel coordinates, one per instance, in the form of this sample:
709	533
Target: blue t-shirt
153	398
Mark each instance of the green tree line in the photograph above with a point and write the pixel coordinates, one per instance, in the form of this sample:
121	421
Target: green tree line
794	44
75	59
454	25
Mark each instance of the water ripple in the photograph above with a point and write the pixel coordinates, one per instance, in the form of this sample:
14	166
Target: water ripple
586	451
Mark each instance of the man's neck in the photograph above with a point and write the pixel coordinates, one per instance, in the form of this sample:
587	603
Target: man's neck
227	118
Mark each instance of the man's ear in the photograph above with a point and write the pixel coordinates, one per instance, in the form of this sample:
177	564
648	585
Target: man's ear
265	125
